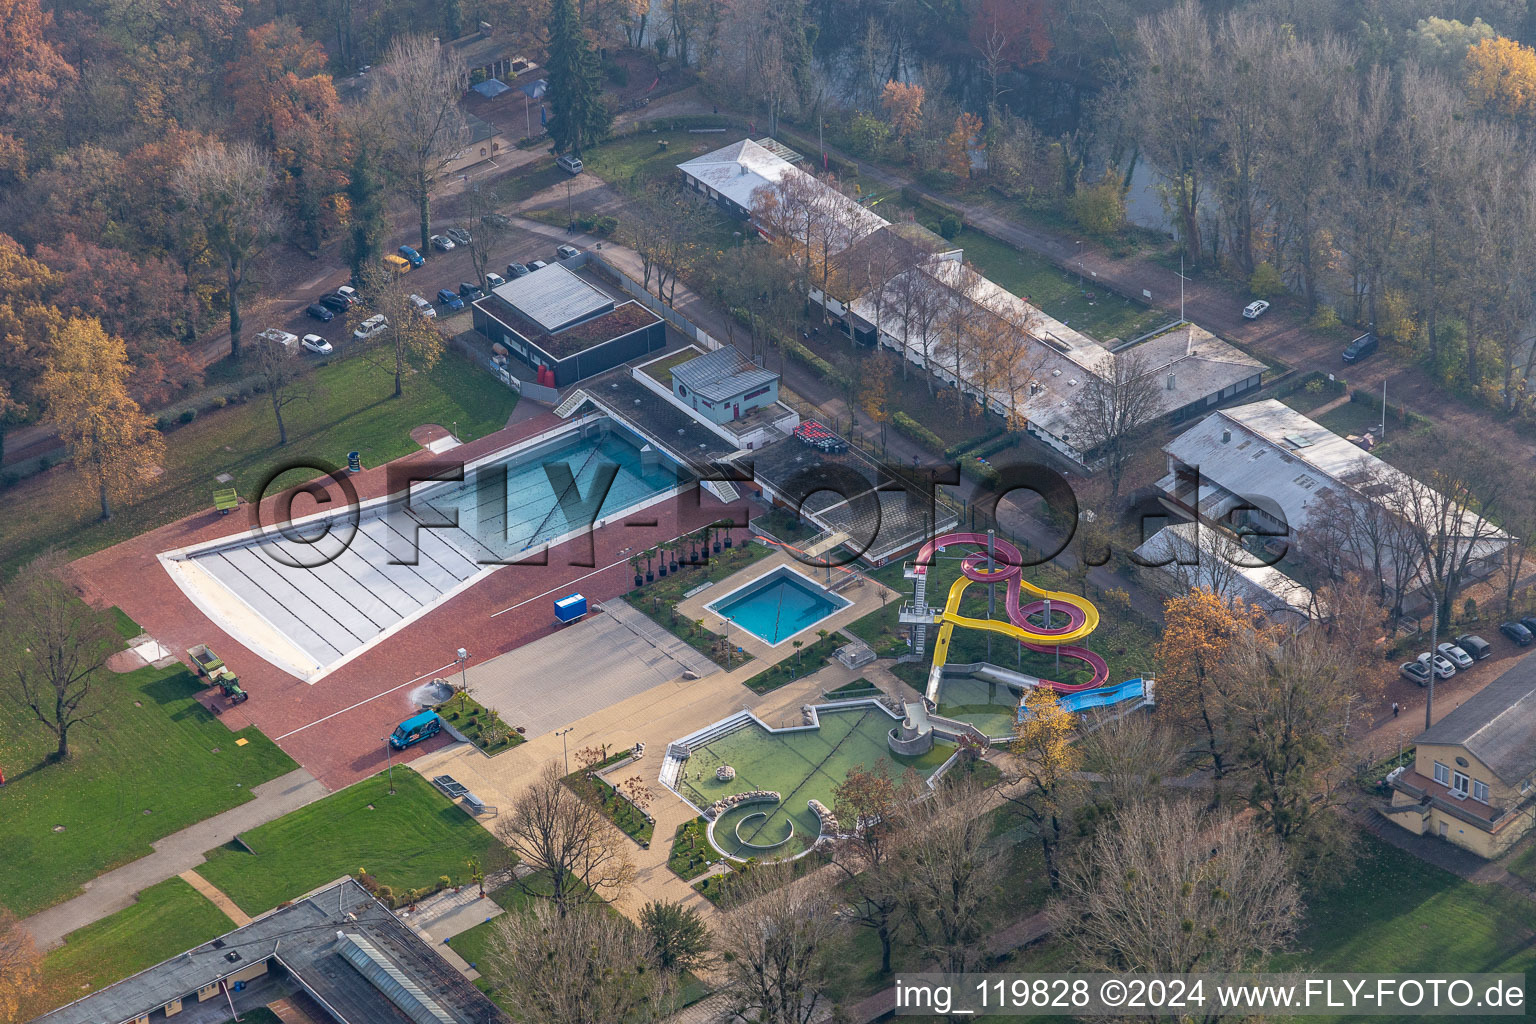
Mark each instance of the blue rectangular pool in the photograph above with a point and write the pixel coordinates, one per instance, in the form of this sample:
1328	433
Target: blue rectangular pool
777	605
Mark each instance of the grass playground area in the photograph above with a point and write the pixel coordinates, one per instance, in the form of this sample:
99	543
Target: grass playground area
799	766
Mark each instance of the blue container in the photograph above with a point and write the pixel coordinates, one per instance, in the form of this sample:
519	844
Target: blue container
570	607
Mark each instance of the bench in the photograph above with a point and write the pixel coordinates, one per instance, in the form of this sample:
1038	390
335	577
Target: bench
476	806
451	788
226	500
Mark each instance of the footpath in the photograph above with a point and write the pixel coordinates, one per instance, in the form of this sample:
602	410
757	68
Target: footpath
178	852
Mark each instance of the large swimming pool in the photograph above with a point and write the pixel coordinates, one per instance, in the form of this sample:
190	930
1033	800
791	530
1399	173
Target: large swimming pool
310	607
776	606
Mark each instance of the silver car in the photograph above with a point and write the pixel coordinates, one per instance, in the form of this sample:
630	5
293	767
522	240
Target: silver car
1455	655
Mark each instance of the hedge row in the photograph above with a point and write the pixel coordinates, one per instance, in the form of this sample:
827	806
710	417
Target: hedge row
822	368
916	431
974	468
971	443
997	444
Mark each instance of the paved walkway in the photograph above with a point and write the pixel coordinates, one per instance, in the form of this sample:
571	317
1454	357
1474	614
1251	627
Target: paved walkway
177	852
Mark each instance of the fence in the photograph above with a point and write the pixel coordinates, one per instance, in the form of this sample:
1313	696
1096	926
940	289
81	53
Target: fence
634	289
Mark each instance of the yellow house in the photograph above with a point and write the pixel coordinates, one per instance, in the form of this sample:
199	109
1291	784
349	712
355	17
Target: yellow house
1472	781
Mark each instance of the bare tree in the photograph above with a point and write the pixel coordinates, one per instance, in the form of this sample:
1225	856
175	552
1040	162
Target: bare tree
1111	416
588	966
416	102
1132	755
487	230
1248	46
871	807
409	342
951	873
1519	520
663	232
918	301
230	191
777	940
1358	529
286	376
1164	888
55	648
561	836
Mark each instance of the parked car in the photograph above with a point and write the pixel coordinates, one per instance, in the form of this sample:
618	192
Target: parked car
450	298
423	307
470	292
1414	672
1474	645
565	252
397	264
493	280
336	301
499	220
349	293
279	337
373	325
442	244
459	235
410	255
570	164
1360	348
1455	655
536	265
317	311
1518	633
1443	667
1255	309
516	270
316	344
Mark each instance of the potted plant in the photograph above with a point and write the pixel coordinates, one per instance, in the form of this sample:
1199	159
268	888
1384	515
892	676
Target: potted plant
634	563
672	548
650	577
727	537
661	568
717	539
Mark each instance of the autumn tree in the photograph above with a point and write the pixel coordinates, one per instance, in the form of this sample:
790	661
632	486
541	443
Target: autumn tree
875	391
957	147
903	105
85	389
55	649
1192	683
585	966
576	852
36	73
415	103
410	343
20	965
229	189
1116	407
1007	35
1501	77
1045	767
28	325
777	945
1165	888
579	116
871	807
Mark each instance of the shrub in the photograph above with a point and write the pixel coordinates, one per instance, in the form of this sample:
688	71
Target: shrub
978	470
219	402
45	463
1006	440
1265	281
916	431
1324	319
950	226
617	73
1469	608
822	368
162	423
187	415
1098	209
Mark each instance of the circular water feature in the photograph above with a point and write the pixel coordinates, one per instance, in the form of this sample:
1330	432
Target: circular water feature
430	695
757	842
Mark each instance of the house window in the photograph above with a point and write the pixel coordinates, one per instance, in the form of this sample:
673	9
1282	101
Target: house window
1459	783
753	394
1480	791
482	151
1442	774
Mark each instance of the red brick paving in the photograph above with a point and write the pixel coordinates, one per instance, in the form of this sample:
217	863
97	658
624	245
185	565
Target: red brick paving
349	746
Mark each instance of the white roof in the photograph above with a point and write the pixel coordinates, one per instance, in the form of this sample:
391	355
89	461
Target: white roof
553	297
737	171
1219	568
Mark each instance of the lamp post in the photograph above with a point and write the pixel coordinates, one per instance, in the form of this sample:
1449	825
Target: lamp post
563	733
389	760
462	659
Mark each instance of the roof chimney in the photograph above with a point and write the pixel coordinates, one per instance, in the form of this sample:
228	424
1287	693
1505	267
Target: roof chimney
1172	380
1226	437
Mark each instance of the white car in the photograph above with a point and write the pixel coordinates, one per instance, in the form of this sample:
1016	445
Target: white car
1443	667
1455	655
373	325
349	293
423	307
318	345
279	337
1255	309
442	244
493	280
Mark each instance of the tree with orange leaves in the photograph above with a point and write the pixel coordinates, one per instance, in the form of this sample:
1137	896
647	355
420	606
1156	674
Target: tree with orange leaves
957	148
1192	685
1501	75
903	104
1008	34
33	77
19	965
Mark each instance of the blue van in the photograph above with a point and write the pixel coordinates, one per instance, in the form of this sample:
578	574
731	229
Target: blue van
415	729
410	255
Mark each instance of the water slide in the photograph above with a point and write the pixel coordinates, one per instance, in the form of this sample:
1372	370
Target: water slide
1082	616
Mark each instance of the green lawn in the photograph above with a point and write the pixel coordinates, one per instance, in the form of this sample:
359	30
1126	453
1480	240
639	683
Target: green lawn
659	598
691	852
351	410
152	763
406	841
1057	292
168	919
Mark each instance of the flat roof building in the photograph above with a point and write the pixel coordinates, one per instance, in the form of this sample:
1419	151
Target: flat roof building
339	947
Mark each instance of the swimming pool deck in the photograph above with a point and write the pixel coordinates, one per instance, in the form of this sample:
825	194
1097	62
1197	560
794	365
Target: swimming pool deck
334	728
